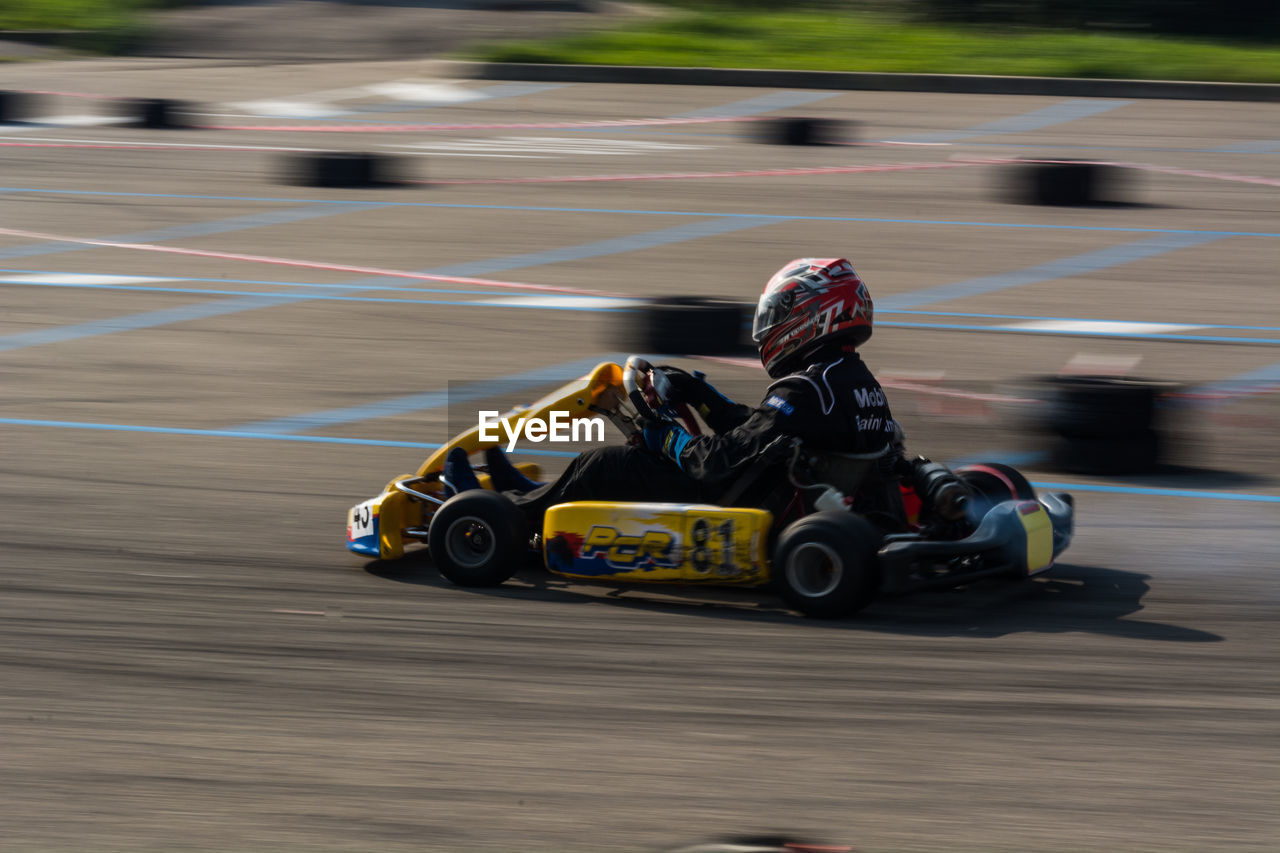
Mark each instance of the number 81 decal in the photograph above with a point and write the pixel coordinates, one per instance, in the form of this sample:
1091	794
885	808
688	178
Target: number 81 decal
712	547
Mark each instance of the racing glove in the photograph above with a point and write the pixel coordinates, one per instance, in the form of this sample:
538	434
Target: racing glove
666	438
693	389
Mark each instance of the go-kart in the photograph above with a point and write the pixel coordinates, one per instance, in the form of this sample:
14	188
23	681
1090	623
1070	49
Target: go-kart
824	560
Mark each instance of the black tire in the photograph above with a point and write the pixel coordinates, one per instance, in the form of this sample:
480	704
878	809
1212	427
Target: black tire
478	538
341	170
1132	454
155	113
684	325
1099	406
993	483
1062	184
825	564
800	131
14	106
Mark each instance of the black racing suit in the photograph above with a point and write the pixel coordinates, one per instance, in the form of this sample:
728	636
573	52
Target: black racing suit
834	404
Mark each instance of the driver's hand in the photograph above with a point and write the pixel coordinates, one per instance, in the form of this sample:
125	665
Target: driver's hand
674	385
666	438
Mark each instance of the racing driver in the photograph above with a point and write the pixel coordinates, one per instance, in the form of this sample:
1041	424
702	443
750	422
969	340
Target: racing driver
811	319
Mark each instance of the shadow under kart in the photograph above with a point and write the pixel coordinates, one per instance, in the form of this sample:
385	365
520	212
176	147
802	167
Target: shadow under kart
829	562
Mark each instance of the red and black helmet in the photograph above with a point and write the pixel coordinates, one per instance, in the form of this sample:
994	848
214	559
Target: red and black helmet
809	304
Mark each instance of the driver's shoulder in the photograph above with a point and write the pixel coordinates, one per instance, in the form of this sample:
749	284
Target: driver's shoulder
813	384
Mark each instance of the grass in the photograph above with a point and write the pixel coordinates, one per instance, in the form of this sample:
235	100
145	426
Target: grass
106	26
860	41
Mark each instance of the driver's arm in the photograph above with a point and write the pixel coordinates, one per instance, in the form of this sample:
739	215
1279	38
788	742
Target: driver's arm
712	458
718	411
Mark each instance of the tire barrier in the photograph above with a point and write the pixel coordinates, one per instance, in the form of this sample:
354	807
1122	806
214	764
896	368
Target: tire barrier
1063	184
684	325
155	113
14	106
342	170
1102	424
801	131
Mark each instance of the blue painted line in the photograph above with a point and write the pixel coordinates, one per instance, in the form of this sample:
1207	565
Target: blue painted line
197	229
1271	146
1035	120
1036	317
226	433
614	246
1030	457
1262	377
368	442
1162	493
145	320
1081	333
645	212
604	305
410	403
1061	268
14	280
152	319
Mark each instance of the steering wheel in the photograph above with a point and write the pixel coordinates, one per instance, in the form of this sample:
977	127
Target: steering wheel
643	385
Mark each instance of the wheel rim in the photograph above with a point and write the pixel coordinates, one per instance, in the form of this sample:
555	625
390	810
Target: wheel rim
815	569
470	542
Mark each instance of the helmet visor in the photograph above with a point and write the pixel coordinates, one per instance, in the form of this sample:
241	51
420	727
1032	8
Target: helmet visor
773	309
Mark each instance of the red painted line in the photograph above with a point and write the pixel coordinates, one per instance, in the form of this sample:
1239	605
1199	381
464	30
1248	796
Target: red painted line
426	128
680	176
132	146
293	262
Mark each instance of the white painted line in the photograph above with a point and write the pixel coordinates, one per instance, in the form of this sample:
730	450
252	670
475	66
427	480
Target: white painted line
1095	364
424	92
121	143
78	279
45	122
1110	327
82	120
576	302
524	146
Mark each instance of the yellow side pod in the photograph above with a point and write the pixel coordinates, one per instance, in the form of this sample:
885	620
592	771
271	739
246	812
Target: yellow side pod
659	542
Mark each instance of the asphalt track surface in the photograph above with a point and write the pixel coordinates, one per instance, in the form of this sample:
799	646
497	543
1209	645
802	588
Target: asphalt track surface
191	661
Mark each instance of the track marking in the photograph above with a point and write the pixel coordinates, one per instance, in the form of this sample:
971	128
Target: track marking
680	176
1059	113
1060	268
431	128
79	279
458	274
526	208
761	104
322	439
47	122
538	146
426	401
198	229
570	303
1098	327
224	433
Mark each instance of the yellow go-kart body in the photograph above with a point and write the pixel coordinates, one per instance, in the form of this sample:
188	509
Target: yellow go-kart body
381	526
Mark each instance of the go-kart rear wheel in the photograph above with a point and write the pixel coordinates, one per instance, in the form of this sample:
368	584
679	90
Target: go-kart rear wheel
825	564
993	483
478	538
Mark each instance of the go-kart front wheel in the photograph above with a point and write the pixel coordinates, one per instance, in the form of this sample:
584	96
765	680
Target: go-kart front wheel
825	566
478	538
